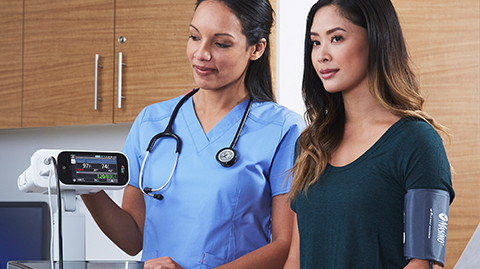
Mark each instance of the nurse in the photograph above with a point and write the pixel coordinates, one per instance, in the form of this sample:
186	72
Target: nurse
207	214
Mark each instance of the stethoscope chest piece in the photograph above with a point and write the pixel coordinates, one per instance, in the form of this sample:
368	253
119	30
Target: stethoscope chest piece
227	157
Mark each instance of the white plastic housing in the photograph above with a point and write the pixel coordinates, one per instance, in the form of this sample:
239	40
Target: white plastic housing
36	177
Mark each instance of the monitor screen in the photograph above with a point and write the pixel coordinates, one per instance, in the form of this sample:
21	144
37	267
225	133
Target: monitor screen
92	168
24	231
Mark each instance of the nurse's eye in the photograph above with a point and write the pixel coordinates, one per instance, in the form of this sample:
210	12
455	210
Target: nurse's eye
194	38
222	45
337	38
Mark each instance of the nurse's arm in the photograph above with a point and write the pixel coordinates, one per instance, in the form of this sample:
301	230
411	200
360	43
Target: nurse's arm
274	254
293	261
124	226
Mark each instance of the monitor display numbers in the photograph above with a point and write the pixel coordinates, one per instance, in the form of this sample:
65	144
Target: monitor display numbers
94	169
83	168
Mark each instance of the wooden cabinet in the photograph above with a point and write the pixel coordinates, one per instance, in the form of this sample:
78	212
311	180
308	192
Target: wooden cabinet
154	53
71	53
61	39
11	23
60	43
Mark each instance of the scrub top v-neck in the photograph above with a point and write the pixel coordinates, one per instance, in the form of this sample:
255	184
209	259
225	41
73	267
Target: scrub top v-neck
211	214
200	139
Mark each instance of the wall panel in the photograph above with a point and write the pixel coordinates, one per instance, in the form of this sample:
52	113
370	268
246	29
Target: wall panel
443	40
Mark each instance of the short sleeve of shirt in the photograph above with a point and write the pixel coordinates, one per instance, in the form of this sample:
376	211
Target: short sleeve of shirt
132	150
426	165
420	160
141	132
284	155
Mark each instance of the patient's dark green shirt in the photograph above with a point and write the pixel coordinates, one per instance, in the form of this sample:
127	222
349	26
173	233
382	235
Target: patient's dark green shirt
352	217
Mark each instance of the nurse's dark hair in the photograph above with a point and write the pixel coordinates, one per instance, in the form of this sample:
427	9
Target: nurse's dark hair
391	80
256	18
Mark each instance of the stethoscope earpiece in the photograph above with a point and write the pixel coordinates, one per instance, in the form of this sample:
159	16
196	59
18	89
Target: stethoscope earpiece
227	157
148	191
158	196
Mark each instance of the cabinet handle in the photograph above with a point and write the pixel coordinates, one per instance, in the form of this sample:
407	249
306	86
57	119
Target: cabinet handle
120	65
97	57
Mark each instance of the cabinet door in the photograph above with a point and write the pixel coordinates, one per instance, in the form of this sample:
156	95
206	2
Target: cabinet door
154	53
11	23
61	39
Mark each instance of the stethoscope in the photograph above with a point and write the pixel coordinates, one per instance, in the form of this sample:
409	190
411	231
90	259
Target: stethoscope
226	156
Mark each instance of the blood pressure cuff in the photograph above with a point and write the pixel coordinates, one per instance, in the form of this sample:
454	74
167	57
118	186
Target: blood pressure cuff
426	221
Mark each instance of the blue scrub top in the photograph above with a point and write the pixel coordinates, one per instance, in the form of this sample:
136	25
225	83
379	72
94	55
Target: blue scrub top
210	214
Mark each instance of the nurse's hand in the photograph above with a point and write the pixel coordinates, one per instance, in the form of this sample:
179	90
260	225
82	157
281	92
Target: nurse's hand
161	263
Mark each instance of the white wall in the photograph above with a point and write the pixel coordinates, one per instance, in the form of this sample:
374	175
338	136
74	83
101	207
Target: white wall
17	145
291	20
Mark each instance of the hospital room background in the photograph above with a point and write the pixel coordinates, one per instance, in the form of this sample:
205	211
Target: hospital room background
444	42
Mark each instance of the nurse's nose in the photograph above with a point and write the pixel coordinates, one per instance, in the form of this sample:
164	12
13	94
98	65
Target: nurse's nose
203	53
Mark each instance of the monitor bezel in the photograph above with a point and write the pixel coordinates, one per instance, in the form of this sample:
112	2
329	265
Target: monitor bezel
45	218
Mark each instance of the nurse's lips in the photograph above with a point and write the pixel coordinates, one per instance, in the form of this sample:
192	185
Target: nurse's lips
203	71
328	72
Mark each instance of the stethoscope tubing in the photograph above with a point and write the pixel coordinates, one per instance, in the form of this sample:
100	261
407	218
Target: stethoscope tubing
140	181
168	132
242	123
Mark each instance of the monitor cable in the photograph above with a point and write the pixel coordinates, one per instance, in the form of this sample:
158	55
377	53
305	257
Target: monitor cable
59	208
52	221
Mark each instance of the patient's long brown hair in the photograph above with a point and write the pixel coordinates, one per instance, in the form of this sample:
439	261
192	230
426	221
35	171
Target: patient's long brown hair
391	80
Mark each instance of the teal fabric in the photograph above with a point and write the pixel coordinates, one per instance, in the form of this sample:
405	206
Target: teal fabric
352	217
